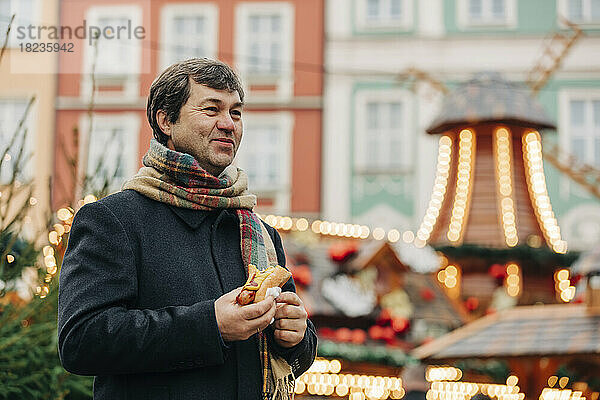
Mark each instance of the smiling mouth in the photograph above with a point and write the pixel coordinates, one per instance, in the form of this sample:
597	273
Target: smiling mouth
224	141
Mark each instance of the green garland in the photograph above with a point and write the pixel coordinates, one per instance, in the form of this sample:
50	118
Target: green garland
533	260
375	354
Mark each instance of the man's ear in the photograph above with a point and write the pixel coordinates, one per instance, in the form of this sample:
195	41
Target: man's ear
163	122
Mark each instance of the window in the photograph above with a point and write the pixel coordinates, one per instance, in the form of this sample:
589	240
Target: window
114	55
581	11
265	155
376	14
584	130
188	30
24	11
578	134
382	142
11	113
264	47
482	13
112	150
118	60
262	166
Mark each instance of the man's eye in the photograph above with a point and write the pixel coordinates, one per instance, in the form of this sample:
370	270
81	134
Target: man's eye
236	113
211	109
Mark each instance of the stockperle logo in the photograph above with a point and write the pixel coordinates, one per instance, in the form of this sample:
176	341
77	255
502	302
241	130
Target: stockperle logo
127	31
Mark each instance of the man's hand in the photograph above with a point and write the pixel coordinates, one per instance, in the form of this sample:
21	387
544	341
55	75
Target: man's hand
237	322
290	320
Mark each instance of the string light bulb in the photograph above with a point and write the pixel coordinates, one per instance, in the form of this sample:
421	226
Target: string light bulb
464	183
562	283
503	160
439	192
513	281
324	378
536	184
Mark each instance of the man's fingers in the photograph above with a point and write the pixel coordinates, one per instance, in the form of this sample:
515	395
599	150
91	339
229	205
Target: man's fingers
296	325
257	310
289	298
262	322
290	311
289	338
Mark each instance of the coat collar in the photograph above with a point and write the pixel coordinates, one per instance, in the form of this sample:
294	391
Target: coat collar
193	218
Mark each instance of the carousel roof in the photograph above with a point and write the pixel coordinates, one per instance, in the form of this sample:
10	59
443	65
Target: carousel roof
490	98
544	330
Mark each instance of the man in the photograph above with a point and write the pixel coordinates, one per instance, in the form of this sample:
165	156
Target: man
148	286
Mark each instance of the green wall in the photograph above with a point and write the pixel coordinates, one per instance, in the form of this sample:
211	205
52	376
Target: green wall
533	17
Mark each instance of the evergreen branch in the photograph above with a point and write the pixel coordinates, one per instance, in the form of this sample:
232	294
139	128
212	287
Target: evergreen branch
6	37
13	181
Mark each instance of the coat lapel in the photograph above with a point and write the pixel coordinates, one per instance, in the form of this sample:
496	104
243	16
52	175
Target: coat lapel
192	218
225	242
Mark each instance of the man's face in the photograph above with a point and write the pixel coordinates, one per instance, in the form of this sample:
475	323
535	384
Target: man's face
209	127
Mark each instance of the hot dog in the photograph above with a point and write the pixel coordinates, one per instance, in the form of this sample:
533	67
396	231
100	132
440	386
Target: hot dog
258	282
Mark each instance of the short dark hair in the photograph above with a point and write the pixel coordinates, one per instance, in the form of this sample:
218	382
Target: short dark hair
171	90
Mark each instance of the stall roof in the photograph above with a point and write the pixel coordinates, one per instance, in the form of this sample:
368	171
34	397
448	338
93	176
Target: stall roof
440	308
543	330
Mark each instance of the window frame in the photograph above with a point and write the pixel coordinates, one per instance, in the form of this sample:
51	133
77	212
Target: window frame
210	11
284	81
565	97
404	24
563	11
465	22
130	79
364	97
284	120
129	121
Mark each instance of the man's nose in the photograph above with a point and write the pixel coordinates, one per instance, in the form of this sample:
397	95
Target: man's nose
225	123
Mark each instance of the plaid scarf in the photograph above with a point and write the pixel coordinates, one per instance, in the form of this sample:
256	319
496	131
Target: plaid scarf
176	178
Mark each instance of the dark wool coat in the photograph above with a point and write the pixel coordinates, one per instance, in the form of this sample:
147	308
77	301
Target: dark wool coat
136	303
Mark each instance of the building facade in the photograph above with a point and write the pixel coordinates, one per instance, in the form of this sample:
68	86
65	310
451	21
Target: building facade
387	62
27	82
279	61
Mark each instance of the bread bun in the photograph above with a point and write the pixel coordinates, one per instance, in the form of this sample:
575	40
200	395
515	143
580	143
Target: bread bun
259	282
278	277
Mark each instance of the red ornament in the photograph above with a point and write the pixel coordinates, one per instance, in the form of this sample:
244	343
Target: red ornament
385	317
343	335
578	300
302	274
472	303
375	332
498	271
400	325
327	333
427	294
575	279
340	252
388	334
359	336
